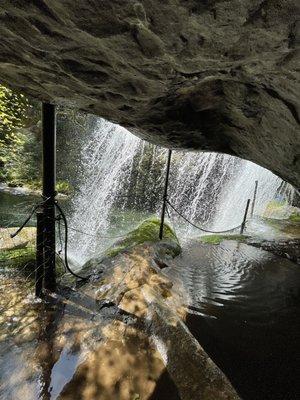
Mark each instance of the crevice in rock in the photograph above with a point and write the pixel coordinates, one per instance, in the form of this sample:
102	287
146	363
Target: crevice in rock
287	103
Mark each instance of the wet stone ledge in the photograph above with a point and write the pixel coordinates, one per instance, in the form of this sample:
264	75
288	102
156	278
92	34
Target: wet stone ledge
133	283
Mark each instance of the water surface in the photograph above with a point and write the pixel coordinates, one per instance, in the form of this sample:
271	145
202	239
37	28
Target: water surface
244	310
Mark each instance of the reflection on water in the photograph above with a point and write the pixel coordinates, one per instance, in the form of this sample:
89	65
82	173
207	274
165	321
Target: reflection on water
244	309
68	348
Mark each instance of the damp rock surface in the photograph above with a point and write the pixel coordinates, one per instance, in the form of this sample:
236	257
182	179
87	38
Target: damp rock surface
214	76
146	232
119	337
135	284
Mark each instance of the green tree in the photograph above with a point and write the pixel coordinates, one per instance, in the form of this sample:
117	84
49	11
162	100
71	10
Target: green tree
19	137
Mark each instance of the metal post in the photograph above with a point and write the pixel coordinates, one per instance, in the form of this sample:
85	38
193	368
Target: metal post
49	175
163	211
39	272
254	199
245	217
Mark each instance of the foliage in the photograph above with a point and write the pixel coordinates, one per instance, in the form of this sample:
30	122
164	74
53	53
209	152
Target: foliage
19	137
217	239
20	142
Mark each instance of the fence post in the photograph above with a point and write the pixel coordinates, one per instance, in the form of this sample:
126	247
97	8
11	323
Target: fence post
163	211
39	272
254	198
49	172
245	217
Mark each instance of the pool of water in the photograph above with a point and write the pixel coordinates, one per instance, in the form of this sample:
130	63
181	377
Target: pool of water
244	308
14	208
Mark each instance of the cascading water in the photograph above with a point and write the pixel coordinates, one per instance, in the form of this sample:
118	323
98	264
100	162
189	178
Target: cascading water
107	162
241	187
122	181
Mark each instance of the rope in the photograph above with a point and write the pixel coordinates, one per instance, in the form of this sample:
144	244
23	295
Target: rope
198	227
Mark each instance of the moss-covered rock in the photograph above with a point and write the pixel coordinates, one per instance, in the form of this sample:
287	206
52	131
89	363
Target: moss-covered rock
290	226
147	231
217	239
24	260
295	217
18	258
281	210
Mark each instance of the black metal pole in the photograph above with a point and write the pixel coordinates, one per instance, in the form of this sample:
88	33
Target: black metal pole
39	272
49	176
163	211
245	217
254	198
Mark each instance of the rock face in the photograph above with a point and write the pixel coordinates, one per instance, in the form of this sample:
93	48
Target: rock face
208	75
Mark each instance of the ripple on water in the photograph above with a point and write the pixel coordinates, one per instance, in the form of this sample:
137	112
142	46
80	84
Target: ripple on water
239	278
244	310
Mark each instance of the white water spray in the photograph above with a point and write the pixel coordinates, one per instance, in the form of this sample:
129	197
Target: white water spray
122	172
107	162
241	187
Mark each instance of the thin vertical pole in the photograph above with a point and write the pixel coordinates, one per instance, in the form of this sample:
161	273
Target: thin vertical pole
163	211
245	217
49	176
254	198
39	271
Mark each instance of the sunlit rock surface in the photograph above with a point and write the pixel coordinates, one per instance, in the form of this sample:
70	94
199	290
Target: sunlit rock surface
217	75
25	238
121	336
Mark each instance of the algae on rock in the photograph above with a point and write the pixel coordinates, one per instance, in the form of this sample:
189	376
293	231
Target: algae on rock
217	239
147	231
18	258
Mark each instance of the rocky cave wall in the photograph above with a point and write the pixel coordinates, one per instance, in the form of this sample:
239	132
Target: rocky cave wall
208	75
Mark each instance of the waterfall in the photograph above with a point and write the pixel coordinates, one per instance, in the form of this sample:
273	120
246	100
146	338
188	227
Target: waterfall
240	187
122	181
107	161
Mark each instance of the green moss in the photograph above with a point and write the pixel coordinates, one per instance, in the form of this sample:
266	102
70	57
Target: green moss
18	258
147	231
217	239
294	217
25	260
64	187
276	204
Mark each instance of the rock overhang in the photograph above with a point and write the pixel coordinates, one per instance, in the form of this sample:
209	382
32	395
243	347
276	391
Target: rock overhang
212	76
